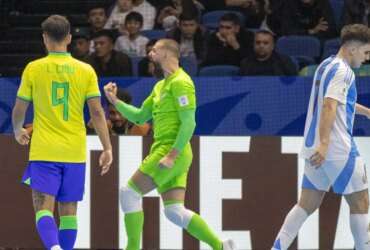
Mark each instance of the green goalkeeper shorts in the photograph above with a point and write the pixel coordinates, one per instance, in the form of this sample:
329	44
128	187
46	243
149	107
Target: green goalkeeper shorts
167	178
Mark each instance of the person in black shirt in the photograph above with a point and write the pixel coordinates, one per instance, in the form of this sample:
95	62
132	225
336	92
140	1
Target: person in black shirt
265	61
230	44
308	17
105	60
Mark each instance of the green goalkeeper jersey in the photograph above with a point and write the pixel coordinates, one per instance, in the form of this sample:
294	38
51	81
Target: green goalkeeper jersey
171	105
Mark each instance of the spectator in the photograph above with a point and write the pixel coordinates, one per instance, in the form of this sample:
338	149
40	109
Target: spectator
230	44
132	44
265	61
80	44
309	17
170	11
147	11
190	37
97	17
145	66
119	13
119	125
105	60
356	11
254	10
272	21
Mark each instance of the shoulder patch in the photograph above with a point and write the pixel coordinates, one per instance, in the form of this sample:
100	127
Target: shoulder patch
183	101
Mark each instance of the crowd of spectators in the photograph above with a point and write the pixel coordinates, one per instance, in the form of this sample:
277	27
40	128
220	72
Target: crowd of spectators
244	36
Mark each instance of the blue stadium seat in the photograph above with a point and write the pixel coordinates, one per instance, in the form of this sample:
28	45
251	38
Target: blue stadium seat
331	47
154	34
190	65
337	6
210	19
135	65
299	46
219	70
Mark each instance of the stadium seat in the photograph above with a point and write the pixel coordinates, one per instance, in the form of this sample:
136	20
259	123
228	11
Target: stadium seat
210	19
190	65
337	7
331	47
154	34
308	70
135	65
306	46
219	70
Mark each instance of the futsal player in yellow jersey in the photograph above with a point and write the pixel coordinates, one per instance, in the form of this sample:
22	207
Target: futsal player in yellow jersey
58	86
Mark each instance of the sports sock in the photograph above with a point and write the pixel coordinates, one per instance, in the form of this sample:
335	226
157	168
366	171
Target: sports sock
67	231
293	222
199	229
359	226
47	228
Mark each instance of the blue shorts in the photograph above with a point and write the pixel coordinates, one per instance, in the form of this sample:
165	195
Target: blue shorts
64	181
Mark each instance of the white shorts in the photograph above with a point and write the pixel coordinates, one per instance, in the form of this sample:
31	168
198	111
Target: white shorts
345	177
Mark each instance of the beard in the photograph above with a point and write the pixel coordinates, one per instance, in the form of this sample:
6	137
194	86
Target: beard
158	71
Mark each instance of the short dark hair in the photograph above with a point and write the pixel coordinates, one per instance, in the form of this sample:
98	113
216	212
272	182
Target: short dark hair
231	17
105	32
188	17
134	16
265	32
151	42
96	6
355	33
56	27
124	95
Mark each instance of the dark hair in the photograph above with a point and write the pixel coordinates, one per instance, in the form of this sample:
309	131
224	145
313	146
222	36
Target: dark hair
124	95
230	17
134	16
56	27
96	6
265	32
355	33
106	33
151	42
188	17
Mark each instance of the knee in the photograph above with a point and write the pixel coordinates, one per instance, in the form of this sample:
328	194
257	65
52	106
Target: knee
131	201
178	215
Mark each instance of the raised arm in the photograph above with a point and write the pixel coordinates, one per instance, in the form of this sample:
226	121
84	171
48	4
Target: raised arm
133	114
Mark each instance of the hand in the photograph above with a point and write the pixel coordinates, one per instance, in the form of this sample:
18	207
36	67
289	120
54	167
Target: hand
105	160
232	41
110	91
319	156
169	160
321	26
22	136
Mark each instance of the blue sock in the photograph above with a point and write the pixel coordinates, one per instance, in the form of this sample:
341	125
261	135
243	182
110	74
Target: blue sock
47	228
67	231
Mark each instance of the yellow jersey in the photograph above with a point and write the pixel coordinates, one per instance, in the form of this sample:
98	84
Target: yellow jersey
58	86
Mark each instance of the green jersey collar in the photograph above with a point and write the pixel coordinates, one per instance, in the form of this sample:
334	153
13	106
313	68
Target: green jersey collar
174	74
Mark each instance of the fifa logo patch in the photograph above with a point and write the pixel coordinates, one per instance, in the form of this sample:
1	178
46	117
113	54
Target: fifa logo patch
183	101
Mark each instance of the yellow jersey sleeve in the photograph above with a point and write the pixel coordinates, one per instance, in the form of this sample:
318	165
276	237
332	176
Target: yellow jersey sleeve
25	88
92	89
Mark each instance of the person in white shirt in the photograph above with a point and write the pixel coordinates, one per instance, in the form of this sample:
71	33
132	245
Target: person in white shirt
132	43
119	13
147	11
331	155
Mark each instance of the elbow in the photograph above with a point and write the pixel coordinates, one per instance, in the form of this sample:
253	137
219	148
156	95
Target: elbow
97	113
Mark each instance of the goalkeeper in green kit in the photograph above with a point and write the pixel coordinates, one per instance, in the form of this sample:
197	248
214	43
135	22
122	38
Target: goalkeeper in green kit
172	106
